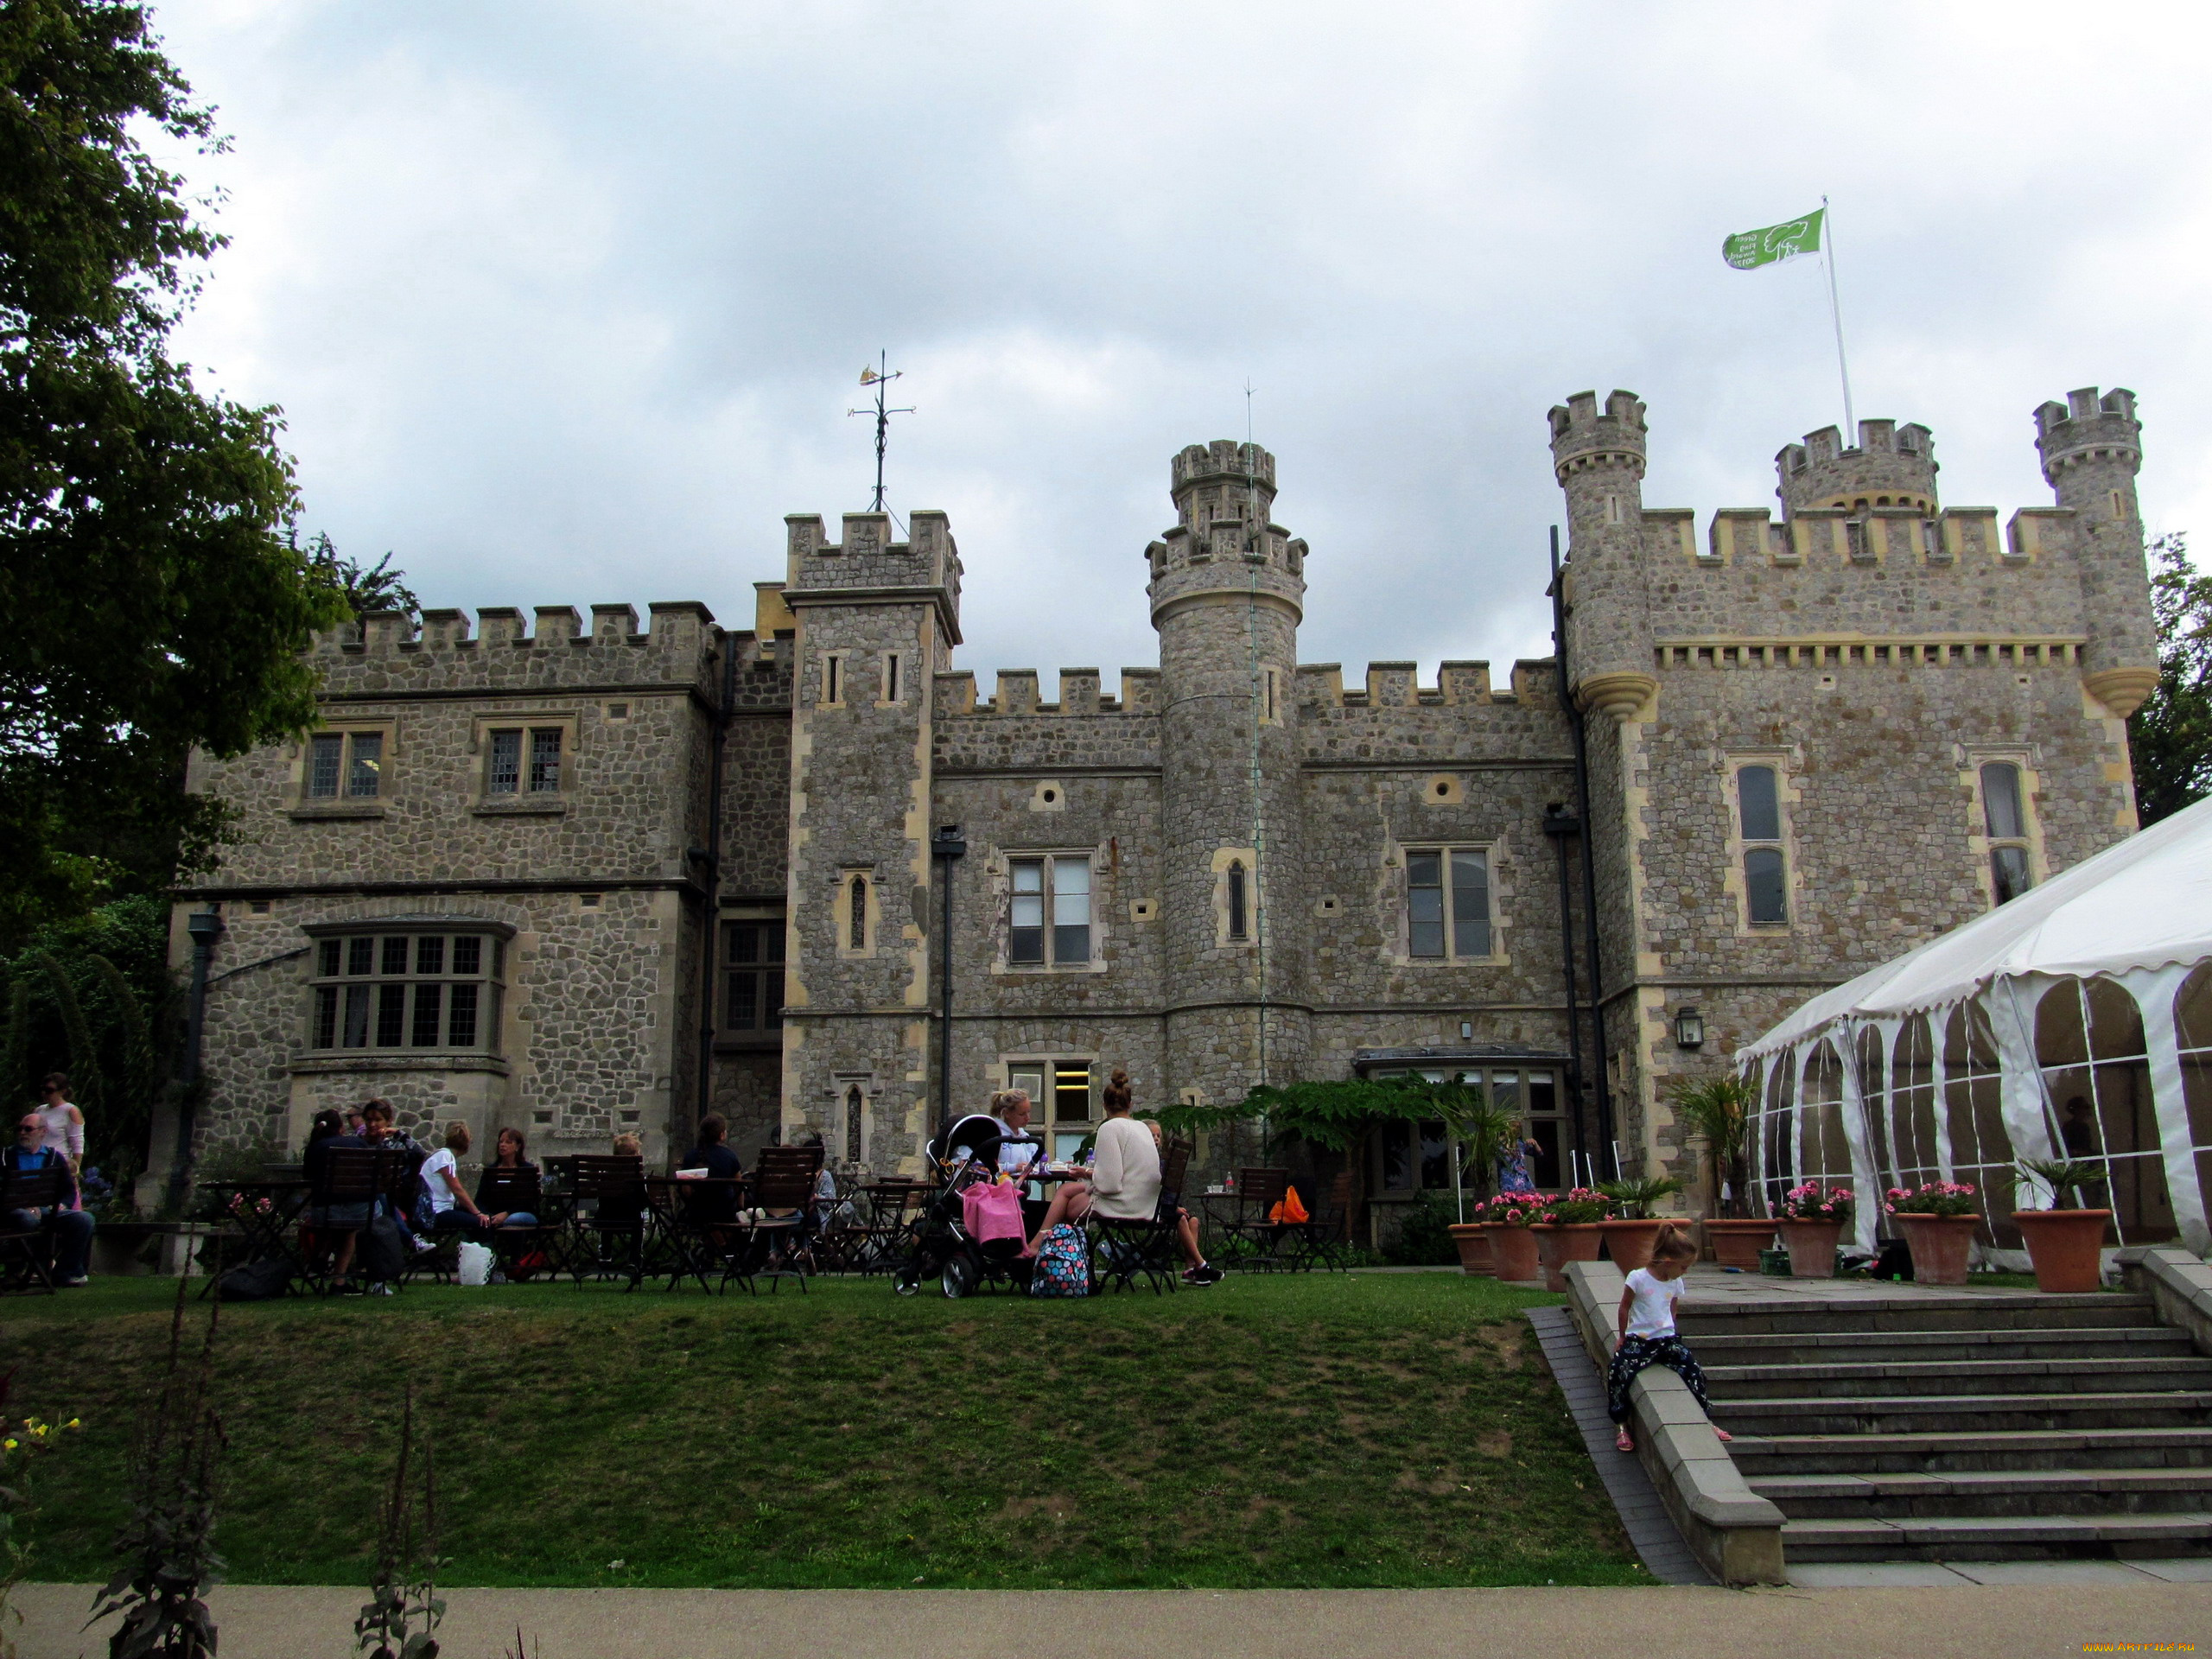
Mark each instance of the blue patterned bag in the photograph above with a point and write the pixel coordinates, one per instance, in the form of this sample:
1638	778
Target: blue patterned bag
1063	1266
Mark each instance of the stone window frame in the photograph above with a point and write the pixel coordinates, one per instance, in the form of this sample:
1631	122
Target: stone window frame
871	913
1980	845
524	802
1393	899
374	932
1003	858
835	681
839	1120
302	805
768	973
1445	847
1268	697
893	682
1051	1063
1783	762
1247	859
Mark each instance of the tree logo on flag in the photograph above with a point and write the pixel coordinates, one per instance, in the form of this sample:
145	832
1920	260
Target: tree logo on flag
1748	250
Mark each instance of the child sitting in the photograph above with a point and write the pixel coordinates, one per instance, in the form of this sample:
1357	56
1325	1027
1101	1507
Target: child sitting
1647	1332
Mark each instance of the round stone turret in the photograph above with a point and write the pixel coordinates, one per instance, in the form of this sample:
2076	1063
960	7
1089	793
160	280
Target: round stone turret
1893	467
1599	459
2091	446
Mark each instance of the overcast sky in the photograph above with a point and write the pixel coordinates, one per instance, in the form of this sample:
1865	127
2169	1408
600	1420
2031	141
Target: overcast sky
565	302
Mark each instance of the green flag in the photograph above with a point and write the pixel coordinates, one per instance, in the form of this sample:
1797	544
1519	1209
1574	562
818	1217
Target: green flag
1749	249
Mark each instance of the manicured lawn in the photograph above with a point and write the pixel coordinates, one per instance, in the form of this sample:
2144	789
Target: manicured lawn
1360	1429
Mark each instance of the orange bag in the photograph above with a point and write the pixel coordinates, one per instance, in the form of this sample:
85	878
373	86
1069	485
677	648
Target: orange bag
1290	1211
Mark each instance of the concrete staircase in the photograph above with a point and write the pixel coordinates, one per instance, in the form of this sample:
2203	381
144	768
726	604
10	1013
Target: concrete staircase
1964	1426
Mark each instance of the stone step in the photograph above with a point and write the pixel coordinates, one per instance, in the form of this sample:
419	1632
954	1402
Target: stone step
1882	1347
1761	1455
2068	1492
1931	1310
1962	1413
1997	1538
2160	1374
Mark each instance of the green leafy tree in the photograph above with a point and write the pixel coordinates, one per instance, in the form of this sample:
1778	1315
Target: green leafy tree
368	588
154	599
2170	735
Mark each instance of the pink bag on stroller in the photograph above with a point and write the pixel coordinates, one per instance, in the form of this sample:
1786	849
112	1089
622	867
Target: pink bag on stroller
991	1210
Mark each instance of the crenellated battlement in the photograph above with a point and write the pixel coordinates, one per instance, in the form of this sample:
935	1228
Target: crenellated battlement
1891	466
1397	685
1017	693
678	625
1585	436
2088	428
868	564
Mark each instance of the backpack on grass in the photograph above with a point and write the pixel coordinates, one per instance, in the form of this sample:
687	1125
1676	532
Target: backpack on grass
257	1282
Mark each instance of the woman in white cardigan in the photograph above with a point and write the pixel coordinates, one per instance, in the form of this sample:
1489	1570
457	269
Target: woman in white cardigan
1125	1182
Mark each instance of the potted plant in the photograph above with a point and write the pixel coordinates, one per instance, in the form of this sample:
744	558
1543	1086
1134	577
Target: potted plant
1477	1128
1565	1228
1718	1110
1506	1219
1937	1220
1811	1219
1631	1230
2066	1245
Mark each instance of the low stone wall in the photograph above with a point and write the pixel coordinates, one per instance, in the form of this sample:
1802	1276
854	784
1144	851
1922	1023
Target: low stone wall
2178	1285
1734	1531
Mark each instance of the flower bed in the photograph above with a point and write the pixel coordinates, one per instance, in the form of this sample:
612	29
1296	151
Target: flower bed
1935	1199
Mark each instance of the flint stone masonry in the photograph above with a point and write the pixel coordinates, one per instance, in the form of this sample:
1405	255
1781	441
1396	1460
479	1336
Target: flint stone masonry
1873	644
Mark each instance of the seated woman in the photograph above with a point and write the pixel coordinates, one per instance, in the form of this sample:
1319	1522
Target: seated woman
327	1130
508	1160
451	1208
714	1156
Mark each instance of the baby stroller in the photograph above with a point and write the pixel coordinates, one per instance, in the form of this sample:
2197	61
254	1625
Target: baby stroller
964	1155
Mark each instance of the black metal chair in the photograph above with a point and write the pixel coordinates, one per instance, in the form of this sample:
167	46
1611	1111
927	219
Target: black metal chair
1319	1241
778	1224
1121	1249
505	1192
1253	1220
28	1252
342	1198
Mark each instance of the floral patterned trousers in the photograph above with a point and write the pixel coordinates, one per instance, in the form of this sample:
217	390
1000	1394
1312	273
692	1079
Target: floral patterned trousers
1636	1353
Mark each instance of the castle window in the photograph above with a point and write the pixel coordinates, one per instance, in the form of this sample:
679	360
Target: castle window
855	1107
1447	903
523	761
1267	694
2119	505
350	764
1239	924
1758	817
1061	1091
406	990
856	913
753	975
2005	821
1048	911
891	664
1612	510
833	678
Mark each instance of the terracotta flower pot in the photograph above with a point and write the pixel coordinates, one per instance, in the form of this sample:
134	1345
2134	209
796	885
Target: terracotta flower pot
1737	1243
1938	1245
1629	1242
1473	1239
1513	1253
2065	1246
1812	1246
1557	1246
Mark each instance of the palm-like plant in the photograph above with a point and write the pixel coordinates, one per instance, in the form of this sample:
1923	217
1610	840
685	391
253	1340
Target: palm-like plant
1718	1110
2063	1176
1633	1199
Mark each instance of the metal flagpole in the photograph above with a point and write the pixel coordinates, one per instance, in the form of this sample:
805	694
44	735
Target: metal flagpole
1835	315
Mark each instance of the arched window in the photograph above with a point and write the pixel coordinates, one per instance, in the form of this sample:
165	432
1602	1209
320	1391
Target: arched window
856	916
1239	923
1758	815
856	1103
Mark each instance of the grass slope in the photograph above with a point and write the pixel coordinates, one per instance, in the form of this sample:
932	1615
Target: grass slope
1363	1429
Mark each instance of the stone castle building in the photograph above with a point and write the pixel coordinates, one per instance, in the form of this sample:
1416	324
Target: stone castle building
585	879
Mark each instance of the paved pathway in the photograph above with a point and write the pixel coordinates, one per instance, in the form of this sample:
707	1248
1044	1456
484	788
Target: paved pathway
1957	1621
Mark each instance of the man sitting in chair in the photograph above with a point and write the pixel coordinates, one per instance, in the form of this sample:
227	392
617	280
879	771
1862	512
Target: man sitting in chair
72	1227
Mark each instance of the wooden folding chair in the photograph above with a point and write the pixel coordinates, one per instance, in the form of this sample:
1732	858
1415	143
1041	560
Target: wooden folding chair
28	1251
608	1230
349	1181
1121	1249
782	1207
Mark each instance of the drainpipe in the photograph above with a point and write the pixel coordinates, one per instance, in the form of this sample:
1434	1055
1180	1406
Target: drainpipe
710	955
205	926
1605	1099
1559	824
947	847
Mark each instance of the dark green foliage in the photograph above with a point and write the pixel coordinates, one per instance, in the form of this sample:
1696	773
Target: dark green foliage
166	1544
1278	1430
154	601
2170	735
369	590
1424	1237
1632	1200
94	997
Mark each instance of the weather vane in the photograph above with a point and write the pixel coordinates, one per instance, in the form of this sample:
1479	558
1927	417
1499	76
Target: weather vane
880	377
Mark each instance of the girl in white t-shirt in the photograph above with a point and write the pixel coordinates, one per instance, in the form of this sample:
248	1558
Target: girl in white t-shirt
1647	1331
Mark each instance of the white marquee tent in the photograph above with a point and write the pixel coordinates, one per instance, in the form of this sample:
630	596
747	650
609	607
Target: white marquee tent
2076	1019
